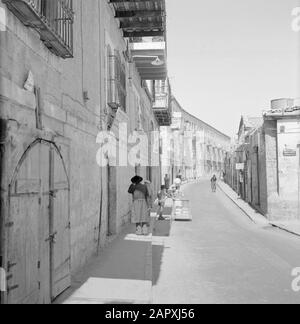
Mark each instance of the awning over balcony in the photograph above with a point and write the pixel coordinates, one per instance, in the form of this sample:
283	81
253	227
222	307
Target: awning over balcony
141	18
162	110
144	55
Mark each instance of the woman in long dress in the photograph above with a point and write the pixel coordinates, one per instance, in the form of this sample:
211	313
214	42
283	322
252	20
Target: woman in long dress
140	214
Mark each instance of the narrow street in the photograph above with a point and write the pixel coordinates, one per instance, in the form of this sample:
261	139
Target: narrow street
221	256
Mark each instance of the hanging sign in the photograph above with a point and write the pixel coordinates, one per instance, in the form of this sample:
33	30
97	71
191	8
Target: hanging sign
240	166
289	152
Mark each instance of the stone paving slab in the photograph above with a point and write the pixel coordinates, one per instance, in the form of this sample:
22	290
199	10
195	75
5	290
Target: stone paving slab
122	273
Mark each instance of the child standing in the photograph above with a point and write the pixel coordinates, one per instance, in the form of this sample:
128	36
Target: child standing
161	196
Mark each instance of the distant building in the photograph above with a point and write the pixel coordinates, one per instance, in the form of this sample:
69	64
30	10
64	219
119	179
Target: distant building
267	157
282	148
191	147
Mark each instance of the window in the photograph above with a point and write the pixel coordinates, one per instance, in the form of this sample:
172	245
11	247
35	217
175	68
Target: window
116	82
108	75
53	20
121	80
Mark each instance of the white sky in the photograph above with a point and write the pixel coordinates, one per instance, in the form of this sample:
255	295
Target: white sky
231	57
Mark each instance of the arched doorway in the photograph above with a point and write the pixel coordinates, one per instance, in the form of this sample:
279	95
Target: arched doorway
39	227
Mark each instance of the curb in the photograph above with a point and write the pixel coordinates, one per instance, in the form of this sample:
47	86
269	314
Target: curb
285	229
243	210
267	222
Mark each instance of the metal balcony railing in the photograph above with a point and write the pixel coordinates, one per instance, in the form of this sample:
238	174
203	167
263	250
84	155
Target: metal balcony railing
53	19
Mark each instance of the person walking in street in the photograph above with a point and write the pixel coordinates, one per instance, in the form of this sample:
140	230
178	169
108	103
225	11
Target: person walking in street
178	182
141	207
161	197
213	182
167	182
241	184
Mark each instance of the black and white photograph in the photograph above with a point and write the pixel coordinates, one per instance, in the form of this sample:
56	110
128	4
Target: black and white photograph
149	154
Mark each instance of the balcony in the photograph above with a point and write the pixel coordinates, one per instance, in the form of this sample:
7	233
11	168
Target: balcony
141	18
53	20
150	58
162	109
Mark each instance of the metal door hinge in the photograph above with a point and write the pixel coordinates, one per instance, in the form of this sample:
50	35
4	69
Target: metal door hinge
51	238
10	265
52	193
39	265
9	289
10	224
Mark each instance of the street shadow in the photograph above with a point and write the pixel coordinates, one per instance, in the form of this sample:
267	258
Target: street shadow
117	273
161	231
162	228
123	271
157	256
122	259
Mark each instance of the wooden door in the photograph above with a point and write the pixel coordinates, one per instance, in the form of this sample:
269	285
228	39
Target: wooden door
38	261
111	200
24	234
44	225
59	226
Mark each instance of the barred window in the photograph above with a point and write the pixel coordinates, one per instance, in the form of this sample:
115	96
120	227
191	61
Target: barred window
116	82
53	19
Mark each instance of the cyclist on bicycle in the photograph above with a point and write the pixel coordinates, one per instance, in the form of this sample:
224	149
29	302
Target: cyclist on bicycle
213	181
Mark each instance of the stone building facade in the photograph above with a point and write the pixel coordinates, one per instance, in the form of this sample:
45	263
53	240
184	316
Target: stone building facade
191	147
268	154
66	74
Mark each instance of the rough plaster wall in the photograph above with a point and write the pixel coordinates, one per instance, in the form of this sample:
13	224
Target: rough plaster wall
289	167
257	173
85	196
274	204
263	173
281	173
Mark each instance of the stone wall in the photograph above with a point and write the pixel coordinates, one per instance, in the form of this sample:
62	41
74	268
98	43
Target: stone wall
67	115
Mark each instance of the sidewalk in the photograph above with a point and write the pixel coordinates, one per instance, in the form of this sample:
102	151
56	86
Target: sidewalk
122	273
256	217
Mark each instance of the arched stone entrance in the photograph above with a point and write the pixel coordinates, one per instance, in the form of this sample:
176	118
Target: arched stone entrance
38	228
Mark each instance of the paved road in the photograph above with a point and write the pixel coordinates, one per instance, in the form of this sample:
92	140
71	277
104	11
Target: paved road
222	257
